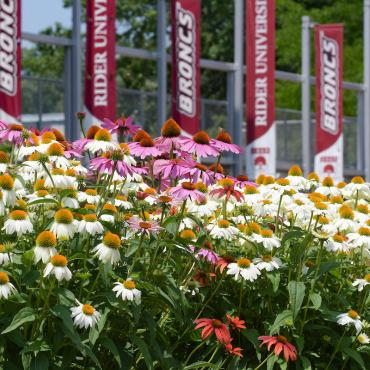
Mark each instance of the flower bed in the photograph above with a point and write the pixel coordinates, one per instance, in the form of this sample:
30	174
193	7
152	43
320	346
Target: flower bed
136	255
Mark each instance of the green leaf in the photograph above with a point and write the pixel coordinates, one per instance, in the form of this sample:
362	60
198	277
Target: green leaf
316	300
144	351
26	314
42	201
199	364
296	295
96	330
39	345
306	364
40	362
355	356
111	346
275	280
284	318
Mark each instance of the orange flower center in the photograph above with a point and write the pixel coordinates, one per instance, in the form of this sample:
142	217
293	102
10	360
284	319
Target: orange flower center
147	142
266	233
250	189
339	238
328	181
295	171
88	309
129	284
18	215
358	180
90	217
15	127
346	212
201	137
4	158
367	278
365	231
47	137
224	137
363	208
112	240
6	182
4	278
187	234
91	192
244	262
171	129
353	314
63	216
282	339
145	225
55	149
103	135
46	239
223	224
59	261
217	323
92	131
188	185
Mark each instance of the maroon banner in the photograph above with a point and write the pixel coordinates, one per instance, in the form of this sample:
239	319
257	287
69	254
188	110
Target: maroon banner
186	64
260	87
100	73
10	60
329	97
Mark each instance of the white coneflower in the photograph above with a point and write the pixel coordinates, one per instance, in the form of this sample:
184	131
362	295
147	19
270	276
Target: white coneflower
350	318
2	204
203	208
6	256
90	225
58	267
84	315
108	250
89	195
243	268
223	230
296	179
361	283
267	263
268	239
363	338
127	290
109	213
337	243
4	161
121	202
346	221
7	189
328	187
265	207
360	239
6	288
45	246
357	188
18	222
101	143
63	226
56	156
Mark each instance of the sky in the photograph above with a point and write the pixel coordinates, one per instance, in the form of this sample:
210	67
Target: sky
39	14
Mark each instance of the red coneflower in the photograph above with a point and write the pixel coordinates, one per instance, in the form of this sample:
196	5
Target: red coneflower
235	351
215	326
227	189
281	344
235	322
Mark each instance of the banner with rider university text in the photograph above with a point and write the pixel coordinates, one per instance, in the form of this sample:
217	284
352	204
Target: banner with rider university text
329	96
186	64
260	87
10	61
100	70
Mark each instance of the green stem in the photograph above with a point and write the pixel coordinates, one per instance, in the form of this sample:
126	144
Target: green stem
264	361
241	297
193	351
335	351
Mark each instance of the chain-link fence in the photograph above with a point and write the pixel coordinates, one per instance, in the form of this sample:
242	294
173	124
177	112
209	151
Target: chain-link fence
43	107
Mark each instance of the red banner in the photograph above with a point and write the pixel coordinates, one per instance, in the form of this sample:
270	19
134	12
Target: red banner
10	60
260	87
100	73
186	64
329	96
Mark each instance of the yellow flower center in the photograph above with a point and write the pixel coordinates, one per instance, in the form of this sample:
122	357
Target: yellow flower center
353	314
267	258
46	239
71	172
363	208
223	224
341	184
110	208
2	248
112	240
358	180
295	171
201	187
18	215
59	261
323	220
103	135
226	182
254	227
282	182
6	182
42	193
313	177
88	309
89	206
365	231
129	284
57	171
90	217
187	234
339	238
244	263
266	233
367	278
260	178
4	158
63	216
337	199
48	137
266	202
328	181
250	189
55	149
321	206
346	212
268	180
4	278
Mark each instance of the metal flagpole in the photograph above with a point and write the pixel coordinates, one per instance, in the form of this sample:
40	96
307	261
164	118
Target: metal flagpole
161	64
75	71
366	110
238	80
306	98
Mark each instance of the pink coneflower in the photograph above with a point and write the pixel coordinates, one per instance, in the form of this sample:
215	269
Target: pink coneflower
227	190
223	143
187	190
213	326
144	148
200	172
241	181
170	135
171	168
207	254
109	160
200	145
79	144
121	126
281	344
143	226
11	132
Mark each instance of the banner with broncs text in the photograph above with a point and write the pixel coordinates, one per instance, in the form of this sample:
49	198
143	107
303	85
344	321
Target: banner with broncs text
10	61
329	96
260	87
186	64
100	70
